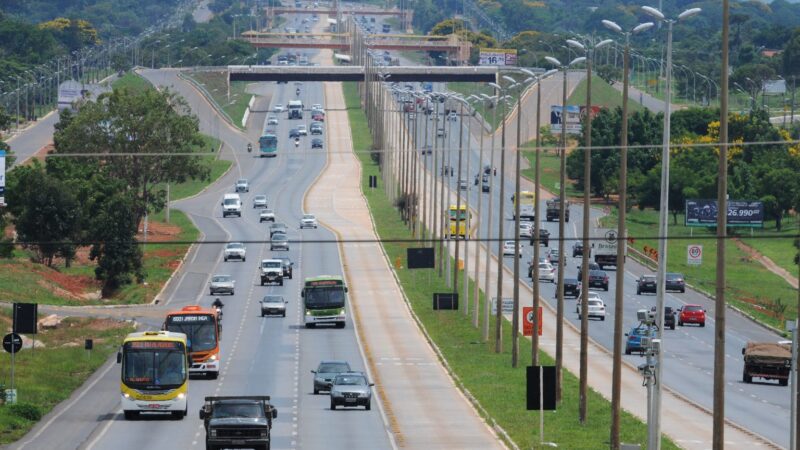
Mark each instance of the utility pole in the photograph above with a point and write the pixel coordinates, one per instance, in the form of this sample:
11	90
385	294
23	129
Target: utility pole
498	332
476	293
718	428
537	218
454	236
490	216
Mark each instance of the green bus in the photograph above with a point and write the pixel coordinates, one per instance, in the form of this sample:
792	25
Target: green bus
324	299
268	145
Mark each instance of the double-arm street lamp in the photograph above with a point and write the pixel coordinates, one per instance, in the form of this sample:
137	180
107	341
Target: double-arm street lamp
654	410
562	200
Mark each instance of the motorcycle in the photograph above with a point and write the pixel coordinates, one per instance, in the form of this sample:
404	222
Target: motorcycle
297	92
249	148
297	142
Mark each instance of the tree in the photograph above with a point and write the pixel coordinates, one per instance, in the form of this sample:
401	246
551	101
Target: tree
791	55
782	184
142	138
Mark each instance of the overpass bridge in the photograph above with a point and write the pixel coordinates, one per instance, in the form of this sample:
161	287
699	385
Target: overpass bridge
480	74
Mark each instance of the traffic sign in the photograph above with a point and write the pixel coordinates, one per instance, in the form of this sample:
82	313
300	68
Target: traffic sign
12	342
694	254
527	325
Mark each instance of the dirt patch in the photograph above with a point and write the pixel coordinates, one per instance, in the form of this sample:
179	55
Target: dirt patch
755	255
75	284
158	232
105	324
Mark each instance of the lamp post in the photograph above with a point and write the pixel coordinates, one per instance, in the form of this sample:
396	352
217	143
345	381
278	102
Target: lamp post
562	196
619	297
479	180
487	305
465	300
654	412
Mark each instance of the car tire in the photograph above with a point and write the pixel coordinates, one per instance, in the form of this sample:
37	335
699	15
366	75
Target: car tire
680	324
603	319
210	292
225	259
627	351
702	324
280	283
781	382
746	378
232	293
672	327
368	406
605	288
333	405
131	415
638	292
244	259
316	391
284	314
683	290
262	313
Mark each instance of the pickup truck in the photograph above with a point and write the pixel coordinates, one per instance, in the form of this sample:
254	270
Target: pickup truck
554	210
238	422
771	361
271	272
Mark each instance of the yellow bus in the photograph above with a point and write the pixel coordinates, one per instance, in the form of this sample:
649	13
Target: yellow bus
155	373
527	206
459	222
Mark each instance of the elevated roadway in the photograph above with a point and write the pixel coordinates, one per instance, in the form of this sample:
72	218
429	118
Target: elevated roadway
357	73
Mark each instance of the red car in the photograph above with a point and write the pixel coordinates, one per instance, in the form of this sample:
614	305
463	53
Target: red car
319	117
692	314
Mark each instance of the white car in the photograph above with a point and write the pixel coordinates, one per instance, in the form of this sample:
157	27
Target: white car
267	215
242	185
302	130
508	249
546	272
452	116
593	295
316	107
596	309
221	284
235	250
272	120
308	221
525	229
260	201
278	108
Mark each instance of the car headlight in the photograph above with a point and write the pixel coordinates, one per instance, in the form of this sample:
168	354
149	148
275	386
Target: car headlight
308	312
181	396
341	312
213	358
126	395
364	394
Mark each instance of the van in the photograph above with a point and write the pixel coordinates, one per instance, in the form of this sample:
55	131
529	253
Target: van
231	205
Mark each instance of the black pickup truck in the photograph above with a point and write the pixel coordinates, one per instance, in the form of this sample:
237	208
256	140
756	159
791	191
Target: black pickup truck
238	422
554	210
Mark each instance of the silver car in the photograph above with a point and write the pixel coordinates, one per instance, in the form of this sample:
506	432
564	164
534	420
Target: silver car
235	250
273	305
272	120
308	221
326	372
221	284
260	201
351	389
267	215
242	185
279	241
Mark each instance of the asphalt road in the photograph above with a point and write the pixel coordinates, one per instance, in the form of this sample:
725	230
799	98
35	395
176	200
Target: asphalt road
688	364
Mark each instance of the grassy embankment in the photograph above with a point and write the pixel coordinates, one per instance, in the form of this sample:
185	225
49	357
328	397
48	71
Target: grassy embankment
22	280
487	375
48	375
215	84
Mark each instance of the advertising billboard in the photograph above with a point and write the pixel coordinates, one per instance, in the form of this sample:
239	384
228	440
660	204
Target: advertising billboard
741	213
498	57
572	119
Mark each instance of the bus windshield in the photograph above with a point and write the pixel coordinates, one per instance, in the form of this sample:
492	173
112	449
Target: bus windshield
462	215
154	368
324	297
268	142
200	330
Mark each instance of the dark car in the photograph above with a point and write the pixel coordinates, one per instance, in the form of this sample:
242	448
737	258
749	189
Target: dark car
598	278
316	143
544	238
277	227
315	128
287	265
592	266
577	249
294	133
675	282
646	283
633	339
669	317
326	372
572	288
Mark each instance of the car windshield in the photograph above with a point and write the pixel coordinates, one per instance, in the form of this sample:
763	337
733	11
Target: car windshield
271	264
308	216
595	302
242	181
221	279
639	331
279	237
509	243
273	299
226	410
261	197
691	308
648	278
350	380
674	276
235	246
545	266
333	368
267	211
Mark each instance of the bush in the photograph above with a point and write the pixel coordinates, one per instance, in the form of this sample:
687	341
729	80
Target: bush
25	411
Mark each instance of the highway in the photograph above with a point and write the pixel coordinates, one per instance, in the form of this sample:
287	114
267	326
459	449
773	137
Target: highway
688	364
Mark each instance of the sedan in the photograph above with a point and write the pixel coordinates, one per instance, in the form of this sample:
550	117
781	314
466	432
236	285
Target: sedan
598	278
546	272
260	201
272	120
326	372
221	284
508	249
267	215
318	116
294	133
592	297
302	130
279	241
544	237
596	309
592	266
572	287
273	305
525	229
277	227
675	282
633	341
235	250
316	143
669	316
278	108
308	221
350	390
692	314
287	265
646	283
553	257
315	128
577	249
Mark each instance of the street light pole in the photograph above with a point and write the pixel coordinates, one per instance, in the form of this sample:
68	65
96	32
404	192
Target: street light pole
654	412
622	209
476	287
490	216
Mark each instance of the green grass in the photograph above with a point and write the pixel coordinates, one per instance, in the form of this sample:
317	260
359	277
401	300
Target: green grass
46	376
749	286
487	375
218	167
776	245
603	95
132	82
551	168
488	113
216	85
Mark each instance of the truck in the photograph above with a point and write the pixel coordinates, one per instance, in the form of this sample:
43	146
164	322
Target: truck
231	205
767	360
554	210
238	421
604	247
271	271
295	109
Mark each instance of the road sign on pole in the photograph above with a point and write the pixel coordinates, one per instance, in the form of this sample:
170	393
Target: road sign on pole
694	254
527	325
12	342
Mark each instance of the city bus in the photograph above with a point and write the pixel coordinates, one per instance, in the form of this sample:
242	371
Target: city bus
154	375
268	144
458	223
527	206
324	299
202	329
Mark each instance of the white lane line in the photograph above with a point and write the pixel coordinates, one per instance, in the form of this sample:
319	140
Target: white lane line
103	430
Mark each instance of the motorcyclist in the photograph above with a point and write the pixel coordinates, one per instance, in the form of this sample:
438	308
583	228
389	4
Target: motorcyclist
297	142
217	303
297	91
249	147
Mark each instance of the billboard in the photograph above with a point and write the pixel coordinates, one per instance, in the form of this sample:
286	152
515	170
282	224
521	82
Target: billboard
498	57
572	120
741	213
2	177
